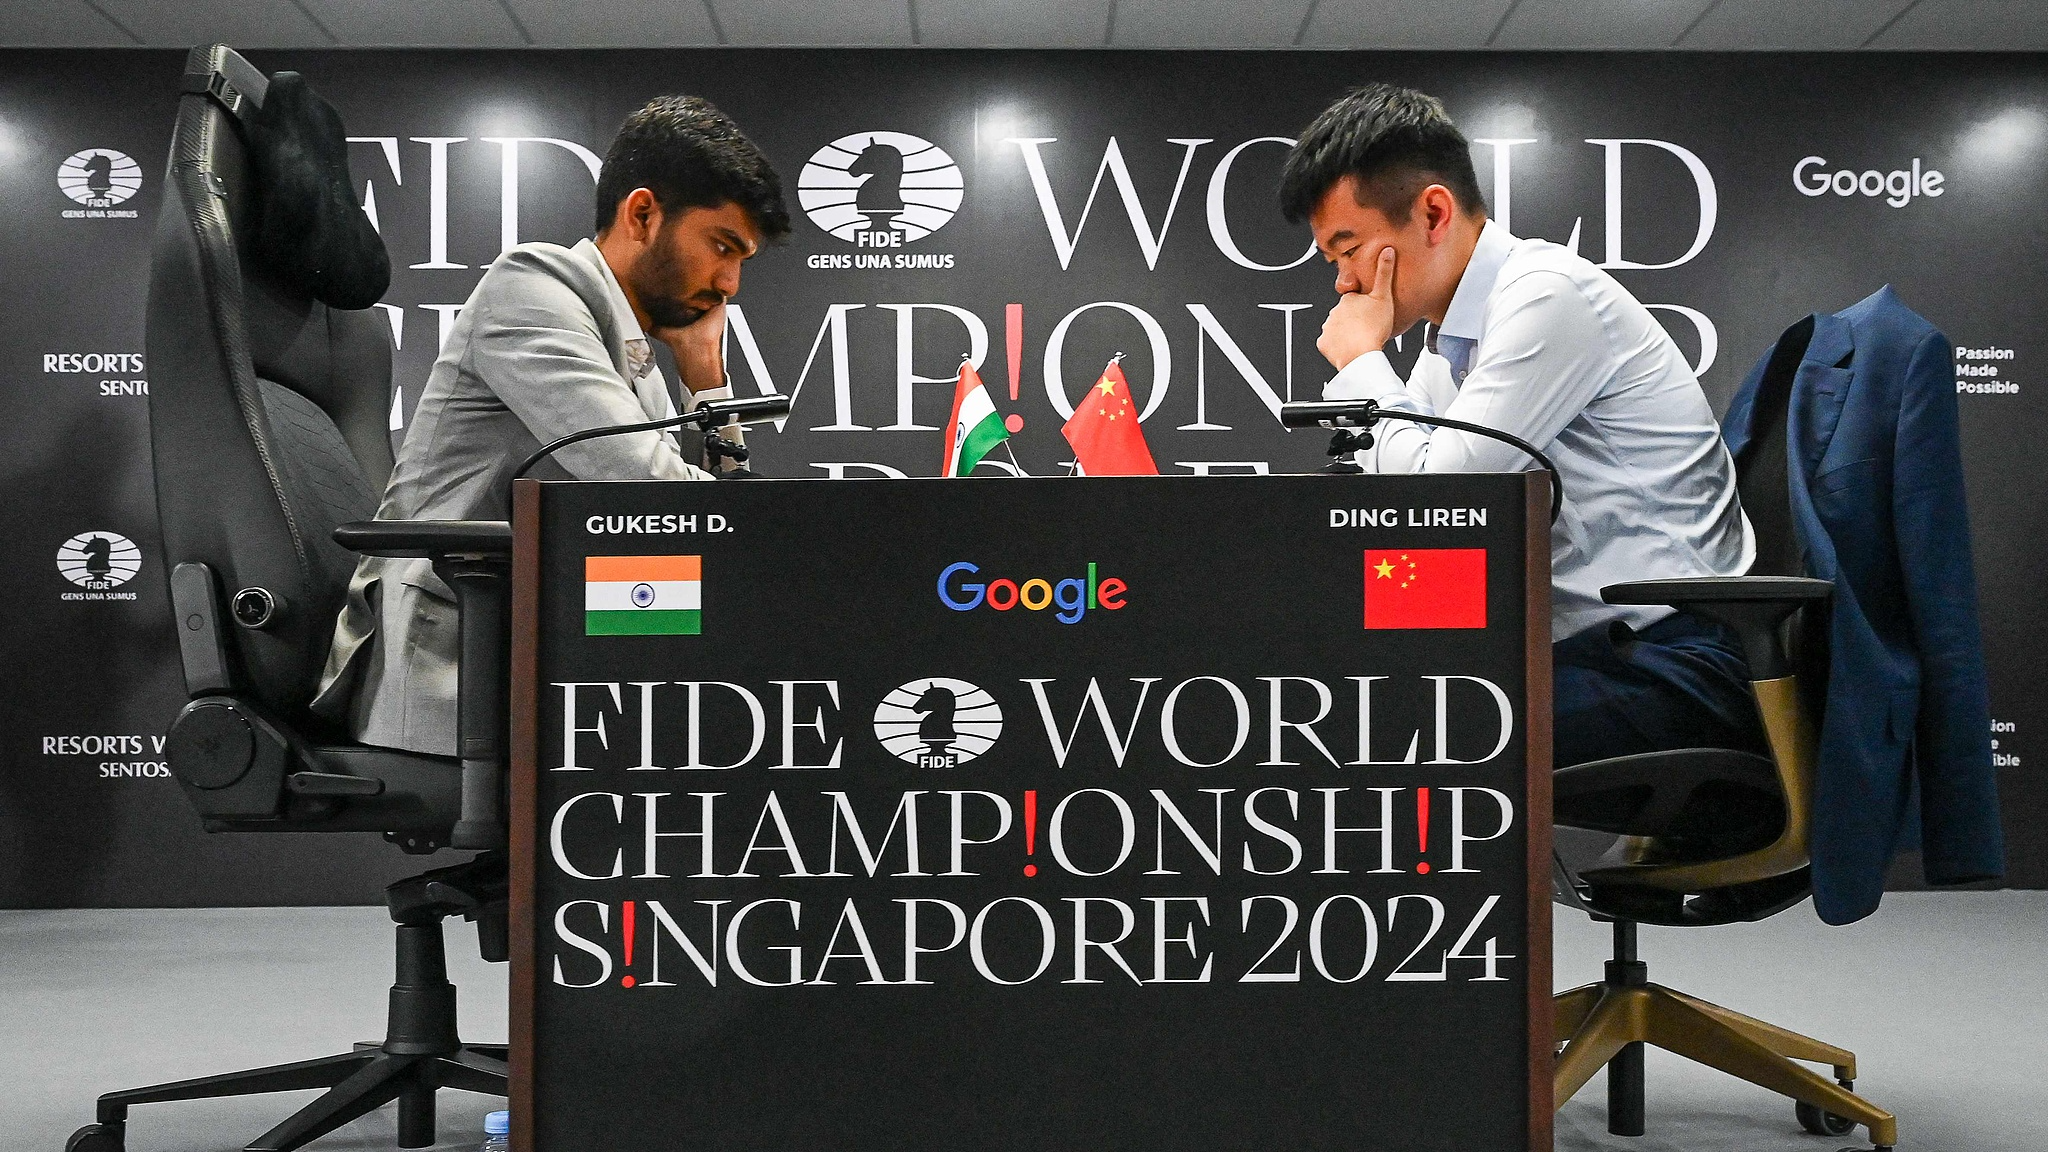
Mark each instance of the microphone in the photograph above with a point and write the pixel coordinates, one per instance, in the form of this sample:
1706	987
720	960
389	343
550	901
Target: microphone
1330	413
706	416
1363	414
760	410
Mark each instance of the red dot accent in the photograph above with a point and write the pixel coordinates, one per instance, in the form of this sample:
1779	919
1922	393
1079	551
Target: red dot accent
1422	868
1014	423
1031	869
625	981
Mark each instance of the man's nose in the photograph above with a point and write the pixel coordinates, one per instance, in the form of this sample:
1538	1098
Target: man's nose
1346	282
727	282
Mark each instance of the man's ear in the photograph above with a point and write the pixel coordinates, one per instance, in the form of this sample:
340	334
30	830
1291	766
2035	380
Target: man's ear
638	215
1438	207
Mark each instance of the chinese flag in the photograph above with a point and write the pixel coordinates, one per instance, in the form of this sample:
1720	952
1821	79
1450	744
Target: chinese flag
1104	430
1425	588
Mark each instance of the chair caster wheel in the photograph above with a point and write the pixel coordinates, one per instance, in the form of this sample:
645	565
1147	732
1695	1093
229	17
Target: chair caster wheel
1821	1122
98	1138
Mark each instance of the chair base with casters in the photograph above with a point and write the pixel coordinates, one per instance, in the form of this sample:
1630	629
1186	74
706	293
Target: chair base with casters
1708	836
420	1053
244	769
1608	1023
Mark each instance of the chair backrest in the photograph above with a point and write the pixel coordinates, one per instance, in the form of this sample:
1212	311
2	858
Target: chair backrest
1761	475
270	381
1775	876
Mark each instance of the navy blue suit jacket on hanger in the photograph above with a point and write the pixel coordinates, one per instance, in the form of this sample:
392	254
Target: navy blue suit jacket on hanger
1876	481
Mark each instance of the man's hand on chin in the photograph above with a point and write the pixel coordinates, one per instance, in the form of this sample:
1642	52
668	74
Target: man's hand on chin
1362	321
698	350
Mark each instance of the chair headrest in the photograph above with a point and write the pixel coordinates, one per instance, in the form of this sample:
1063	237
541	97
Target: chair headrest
310	232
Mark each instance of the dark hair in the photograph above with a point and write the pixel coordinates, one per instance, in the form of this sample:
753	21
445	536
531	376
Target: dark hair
690	155
1396	141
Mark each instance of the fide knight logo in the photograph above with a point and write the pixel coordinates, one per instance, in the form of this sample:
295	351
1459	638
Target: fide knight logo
99	561
99	177
937	722
880	189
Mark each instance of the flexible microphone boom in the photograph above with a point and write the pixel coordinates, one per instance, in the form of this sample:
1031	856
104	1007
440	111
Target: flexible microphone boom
1363	414
706	416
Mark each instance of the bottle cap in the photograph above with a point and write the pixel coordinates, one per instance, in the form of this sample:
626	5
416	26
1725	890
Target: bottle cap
498	1124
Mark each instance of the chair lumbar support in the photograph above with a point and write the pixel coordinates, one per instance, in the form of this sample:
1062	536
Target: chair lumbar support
1597	1023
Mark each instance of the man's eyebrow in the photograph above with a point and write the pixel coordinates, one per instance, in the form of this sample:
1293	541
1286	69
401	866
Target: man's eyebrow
1337	238
733	238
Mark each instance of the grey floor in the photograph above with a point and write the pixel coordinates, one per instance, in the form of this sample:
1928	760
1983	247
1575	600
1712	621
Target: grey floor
1943	997
92	1001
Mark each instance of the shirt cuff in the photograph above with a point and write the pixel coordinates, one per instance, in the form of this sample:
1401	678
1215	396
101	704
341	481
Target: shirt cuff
1369	377
692	399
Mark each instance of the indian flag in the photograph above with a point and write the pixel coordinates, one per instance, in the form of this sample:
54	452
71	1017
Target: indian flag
976	427
643	595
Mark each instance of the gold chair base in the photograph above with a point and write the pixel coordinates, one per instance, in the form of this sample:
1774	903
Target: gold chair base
1595	1022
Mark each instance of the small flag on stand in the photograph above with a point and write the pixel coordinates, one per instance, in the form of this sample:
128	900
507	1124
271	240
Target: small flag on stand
1425	588
976	427
1104	430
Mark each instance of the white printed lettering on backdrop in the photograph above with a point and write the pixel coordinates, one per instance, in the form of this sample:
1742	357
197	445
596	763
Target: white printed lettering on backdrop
1042	158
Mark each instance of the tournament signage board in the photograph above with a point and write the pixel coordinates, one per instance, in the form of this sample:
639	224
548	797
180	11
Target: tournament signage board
1128	813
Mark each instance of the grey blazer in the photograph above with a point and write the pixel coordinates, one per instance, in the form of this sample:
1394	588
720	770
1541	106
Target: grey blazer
544	347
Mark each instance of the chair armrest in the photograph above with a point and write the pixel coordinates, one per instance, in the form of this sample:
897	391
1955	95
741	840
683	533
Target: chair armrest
427	538
1756	607
1718	590
473	557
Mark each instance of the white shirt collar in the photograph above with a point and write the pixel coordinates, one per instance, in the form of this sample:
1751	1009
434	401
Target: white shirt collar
639	349
1468	304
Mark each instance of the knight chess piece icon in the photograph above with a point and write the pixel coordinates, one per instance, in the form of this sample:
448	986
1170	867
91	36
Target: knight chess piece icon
880	197
99	560
99	175
935	728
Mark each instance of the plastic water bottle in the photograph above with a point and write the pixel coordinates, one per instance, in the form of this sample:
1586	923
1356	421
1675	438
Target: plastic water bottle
498	1132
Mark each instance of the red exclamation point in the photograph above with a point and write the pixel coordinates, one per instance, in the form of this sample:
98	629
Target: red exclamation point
1422	826
1030	817
1013	342
626	930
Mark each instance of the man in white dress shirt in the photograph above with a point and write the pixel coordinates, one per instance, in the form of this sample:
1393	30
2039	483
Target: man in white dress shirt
555	340
1528	338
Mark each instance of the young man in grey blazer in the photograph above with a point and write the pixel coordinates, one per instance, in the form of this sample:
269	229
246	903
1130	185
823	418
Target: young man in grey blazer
555	340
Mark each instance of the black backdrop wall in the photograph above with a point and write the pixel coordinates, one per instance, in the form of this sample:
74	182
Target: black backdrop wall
1088	203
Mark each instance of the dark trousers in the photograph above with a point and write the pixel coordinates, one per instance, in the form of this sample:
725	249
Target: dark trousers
1680	683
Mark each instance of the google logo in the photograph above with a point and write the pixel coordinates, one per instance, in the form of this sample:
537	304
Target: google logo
1072	596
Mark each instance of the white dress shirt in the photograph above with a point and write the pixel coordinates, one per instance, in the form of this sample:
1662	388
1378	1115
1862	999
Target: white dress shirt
1541	344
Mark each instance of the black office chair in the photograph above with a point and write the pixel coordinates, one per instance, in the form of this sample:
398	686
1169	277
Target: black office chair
269	407
1712	835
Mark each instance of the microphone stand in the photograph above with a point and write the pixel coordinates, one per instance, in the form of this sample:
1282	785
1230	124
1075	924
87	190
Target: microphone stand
707	417
1363	415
